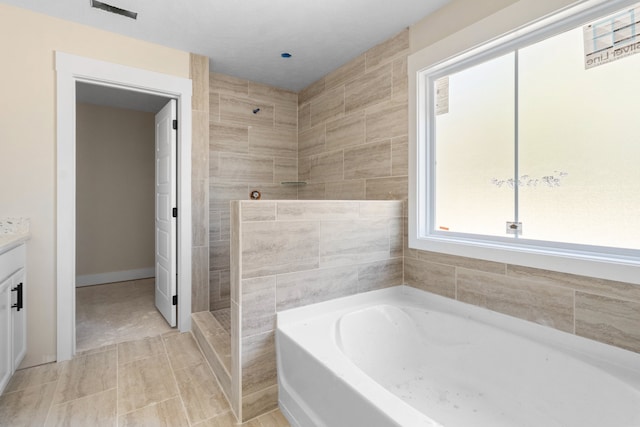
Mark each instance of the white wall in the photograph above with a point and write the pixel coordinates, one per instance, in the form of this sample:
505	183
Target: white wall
455	22
28	144
452	18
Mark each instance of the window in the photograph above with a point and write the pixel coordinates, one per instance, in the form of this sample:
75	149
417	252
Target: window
528	150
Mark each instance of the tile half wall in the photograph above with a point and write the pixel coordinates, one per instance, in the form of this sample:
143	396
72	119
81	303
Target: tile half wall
286	254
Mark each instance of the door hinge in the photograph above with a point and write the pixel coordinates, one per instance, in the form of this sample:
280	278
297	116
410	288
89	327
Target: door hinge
174	212
175	124
175	300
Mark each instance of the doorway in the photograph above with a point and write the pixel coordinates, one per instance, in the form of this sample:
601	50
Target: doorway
70	70
115	209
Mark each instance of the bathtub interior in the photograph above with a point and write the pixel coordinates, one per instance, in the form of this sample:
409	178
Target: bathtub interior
460	365
462	371
311	394
319	386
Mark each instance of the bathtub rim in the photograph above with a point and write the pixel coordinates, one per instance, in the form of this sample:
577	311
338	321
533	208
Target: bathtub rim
594	352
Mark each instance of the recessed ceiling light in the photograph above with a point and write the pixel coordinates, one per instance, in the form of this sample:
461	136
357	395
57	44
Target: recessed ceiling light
285	55
113	9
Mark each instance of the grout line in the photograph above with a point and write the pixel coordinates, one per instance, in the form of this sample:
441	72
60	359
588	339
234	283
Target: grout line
455	283
85	396
574	312
219	95
150	405
117	421
173	373
51	404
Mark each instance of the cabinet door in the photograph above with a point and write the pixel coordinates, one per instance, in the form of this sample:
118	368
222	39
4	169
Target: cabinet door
19	320
5	334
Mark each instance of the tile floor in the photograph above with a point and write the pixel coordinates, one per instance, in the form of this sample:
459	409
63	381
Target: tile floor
158	381
223	316
117	312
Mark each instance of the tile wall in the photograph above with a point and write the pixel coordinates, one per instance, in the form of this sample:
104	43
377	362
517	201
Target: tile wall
292	253
247	151
351	144
199	74
598	309
352	128
352	140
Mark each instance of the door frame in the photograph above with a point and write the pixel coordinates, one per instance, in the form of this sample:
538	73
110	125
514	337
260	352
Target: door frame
69	70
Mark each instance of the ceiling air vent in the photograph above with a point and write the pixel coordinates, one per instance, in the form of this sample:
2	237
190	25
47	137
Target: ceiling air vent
109	8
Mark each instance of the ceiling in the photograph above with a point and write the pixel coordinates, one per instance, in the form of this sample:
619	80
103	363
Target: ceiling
244	38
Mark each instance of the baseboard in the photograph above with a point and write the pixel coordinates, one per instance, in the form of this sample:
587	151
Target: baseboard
114	276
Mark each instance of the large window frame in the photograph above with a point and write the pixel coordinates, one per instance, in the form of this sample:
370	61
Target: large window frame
434	62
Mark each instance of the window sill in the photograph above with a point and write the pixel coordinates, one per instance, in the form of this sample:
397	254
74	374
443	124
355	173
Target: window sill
599	265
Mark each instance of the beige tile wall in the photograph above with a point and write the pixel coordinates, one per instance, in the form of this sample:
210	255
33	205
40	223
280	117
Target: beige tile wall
602	310
352	132
199	74
247	151
352	144
294	253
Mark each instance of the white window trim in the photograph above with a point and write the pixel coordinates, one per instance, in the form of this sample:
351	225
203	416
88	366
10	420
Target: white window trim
457	50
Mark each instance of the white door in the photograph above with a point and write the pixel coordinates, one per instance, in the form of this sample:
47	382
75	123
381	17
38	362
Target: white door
166	230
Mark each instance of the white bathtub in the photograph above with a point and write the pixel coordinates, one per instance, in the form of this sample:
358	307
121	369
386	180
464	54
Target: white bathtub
404	357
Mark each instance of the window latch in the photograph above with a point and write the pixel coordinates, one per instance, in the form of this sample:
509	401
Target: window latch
514	228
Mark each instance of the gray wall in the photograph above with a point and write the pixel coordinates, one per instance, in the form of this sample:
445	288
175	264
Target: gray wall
115	189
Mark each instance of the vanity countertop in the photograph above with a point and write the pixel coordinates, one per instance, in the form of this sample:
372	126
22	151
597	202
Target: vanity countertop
13	232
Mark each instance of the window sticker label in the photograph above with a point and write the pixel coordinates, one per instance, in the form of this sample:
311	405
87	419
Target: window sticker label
442	95
611	38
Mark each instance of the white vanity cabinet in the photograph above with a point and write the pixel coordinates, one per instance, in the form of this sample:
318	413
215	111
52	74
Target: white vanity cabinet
13	327
6	350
